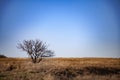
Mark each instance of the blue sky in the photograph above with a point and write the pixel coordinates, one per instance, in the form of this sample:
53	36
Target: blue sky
72	28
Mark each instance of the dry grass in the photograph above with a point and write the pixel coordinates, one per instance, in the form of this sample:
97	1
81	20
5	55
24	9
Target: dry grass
60	69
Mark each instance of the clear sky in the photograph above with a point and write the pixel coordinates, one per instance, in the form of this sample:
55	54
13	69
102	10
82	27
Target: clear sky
72	28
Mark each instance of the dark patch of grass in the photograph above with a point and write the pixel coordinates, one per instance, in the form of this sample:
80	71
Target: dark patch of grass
66	72
69	73
2	75
10	68
102	71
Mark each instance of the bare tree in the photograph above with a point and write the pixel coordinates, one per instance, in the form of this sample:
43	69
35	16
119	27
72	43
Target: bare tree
36	49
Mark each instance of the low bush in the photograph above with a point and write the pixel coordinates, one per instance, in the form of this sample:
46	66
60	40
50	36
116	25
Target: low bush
2	56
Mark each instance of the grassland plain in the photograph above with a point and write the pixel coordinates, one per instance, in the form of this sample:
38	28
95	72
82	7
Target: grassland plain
60	69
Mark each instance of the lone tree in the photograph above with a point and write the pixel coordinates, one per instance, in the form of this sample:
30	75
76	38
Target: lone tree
36	49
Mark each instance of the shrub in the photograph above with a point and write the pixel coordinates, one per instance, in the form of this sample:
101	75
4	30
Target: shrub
2	56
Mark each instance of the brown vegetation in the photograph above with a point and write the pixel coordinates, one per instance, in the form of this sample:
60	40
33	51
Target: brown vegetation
60	69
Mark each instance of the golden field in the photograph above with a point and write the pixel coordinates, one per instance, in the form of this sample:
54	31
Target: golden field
60	69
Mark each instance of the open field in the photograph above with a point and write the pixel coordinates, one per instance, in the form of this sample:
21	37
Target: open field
60	69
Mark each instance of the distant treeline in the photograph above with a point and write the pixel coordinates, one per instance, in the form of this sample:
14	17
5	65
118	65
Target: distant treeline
2	56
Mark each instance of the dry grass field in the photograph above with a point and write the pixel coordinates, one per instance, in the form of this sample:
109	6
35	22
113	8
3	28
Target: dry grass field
60	69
